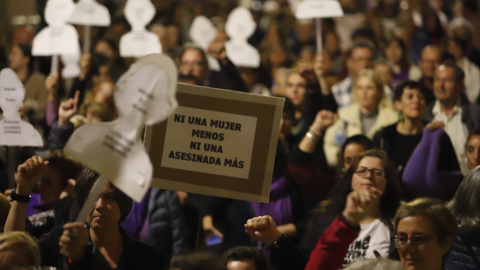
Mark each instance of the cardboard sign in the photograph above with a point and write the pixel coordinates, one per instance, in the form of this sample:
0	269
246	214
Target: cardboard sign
145	94
239	27
309	9
139	41
89	12
202	32
217	142
13	130
58	37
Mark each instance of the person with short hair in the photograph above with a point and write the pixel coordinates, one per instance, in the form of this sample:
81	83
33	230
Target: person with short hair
424	232
457	114
360	56
246	258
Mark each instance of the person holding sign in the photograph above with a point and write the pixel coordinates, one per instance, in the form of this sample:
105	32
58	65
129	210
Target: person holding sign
109	246
193	61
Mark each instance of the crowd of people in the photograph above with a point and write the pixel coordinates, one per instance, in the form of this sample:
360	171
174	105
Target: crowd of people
377	160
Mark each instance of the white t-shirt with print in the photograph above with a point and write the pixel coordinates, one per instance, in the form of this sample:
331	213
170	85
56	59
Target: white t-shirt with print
373	236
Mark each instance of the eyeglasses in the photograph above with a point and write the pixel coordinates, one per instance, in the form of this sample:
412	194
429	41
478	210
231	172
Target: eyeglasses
418	240
363	172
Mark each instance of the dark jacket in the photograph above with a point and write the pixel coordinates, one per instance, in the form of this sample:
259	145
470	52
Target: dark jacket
470	114
460	257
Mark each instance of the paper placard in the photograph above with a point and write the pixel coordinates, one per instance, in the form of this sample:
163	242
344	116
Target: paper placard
145	94
71	65
13	130
309	9
58	37
217	142
239	27
139	41
202	32
89	12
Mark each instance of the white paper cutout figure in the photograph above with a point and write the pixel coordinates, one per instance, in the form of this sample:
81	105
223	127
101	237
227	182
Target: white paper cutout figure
139	41
89	12
309	9
13	130
202	32
239	27
145	94
71	68
58	37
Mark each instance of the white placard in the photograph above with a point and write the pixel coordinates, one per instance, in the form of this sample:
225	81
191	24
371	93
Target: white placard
201	142
145	94
139	41
239	27
71	66
13	130
202	32
58	37
309	9
89	12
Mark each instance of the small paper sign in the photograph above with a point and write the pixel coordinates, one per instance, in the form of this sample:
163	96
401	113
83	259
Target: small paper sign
89	12
145	94
13	130
139	41
217	142
202	32
58	37
309	9
239	27
71	67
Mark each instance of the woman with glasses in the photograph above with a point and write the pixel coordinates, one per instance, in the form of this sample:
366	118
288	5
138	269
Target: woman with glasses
363	201
425	230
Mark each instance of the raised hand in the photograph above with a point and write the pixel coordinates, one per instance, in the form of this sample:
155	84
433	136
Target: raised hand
217	50
51	83
263	229
28	174
358	202
84	65
434	125
324	120
73	240
67	109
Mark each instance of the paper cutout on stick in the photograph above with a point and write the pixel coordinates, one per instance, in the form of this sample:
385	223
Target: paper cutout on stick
71	66
145	94
58	37
13	130
89	12
239	27
309	9
202	32
139	42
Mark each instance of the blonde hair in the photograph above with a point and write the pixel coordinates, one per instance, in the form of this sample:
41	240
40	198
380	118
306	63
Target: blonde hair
24	241
373	76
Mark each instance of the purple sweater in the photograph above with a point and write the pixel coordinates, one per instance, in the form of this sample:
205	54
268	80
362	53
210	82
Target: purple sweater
421	175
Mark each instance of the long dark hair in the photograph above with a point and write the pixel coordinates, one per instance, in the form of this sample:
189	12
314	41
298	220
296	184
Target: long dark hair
84	184
391	197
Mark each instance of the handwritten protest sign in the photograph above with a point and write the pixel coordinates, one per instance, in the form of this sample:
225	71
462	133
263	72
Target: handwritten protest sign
139	41
217	142
145	94
13	130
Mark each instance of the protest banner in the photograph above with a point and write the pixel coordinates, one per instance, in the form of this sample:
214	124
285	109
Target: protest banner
217	142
